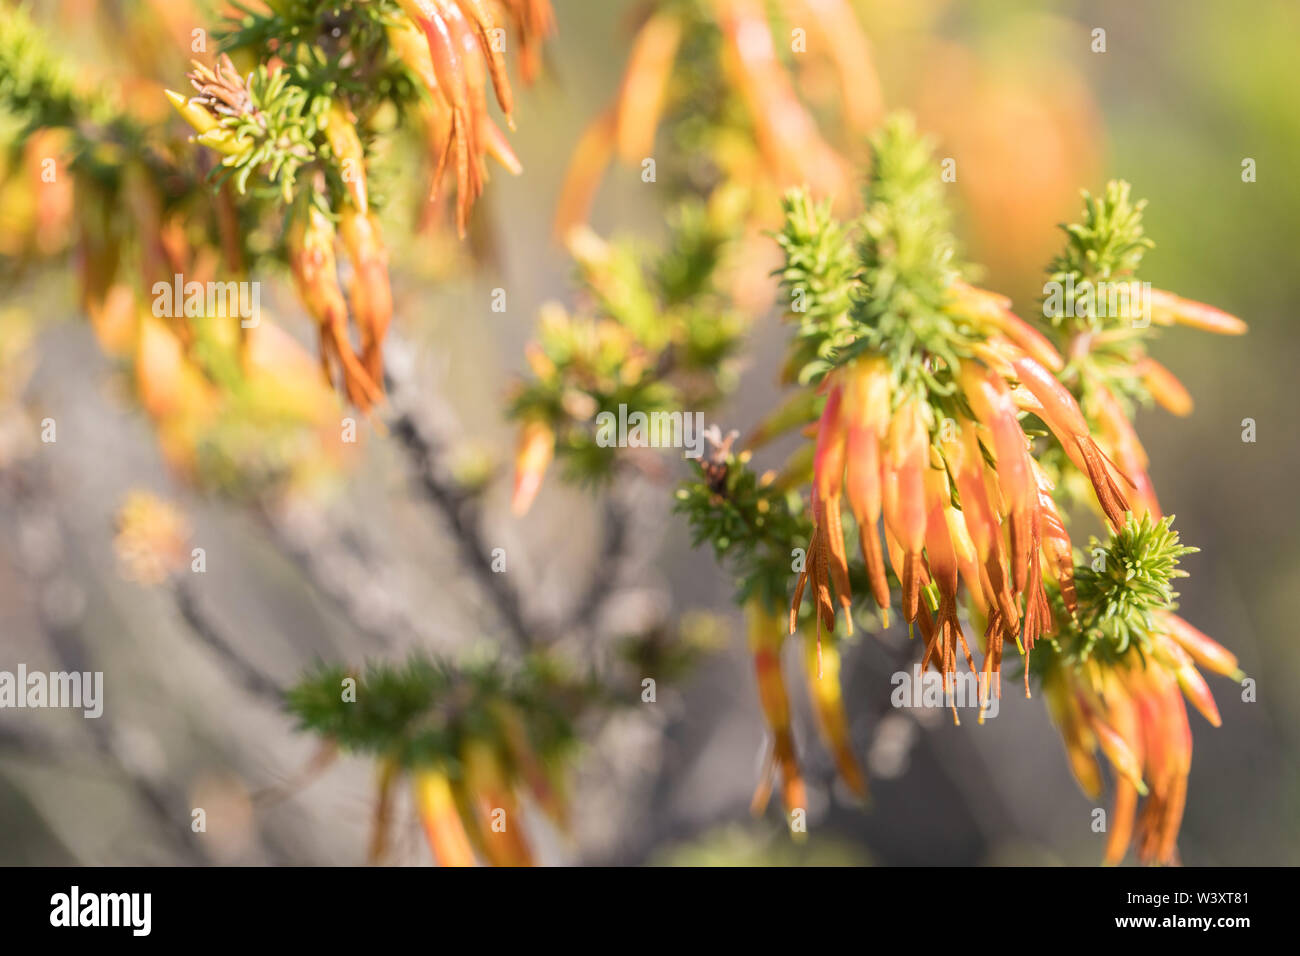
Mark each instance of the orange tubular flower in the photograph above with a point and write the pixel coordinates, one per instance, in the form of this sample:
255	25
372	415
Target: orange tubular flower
477	12
310	244
628	126
993	311
1123	714
942	560
817	571
1102	711
441	819
645	81
1133	710
990	400
594	150
499	821
822	668
534	21
788	149
452	83
533	456
964	551
865	417
896	561
454	68
766	635
966	462
1164	387
1169	309
345	144
1204	650
906	459
850	54
170	385
1056	541
1062	415
1167	738
1190	681
828	479
1119	436
370	294
1080	742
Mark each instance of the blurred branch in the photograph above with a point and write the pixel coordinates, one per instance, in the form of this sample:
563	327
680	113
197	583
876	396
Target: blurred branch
315	545
610	564
424	439
424	429
205	629
463	515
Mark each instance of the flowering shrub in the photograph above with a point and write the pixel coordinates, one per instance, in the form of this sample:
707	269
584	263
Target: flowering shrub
968	441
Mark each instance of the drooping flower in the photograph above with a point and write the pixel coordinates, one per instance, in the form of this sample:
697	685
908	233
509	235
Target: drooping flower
436	804
1170	309
1132	710
349	157
533	22
310	246
898	460
821	665
766	636
370	295
457	57
532	457
1115	678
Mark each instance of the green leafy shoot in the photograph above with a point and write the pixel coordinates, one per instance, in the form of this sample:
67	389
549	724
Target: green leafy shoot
1122	585
421	712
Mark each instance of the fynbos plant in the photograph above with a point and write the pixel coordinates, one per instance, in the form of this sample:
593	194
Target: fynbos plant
952	445
961	436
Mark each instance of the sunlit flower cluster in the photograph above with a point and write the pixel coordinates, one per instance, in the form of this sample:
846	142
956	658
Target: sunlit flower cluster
955	431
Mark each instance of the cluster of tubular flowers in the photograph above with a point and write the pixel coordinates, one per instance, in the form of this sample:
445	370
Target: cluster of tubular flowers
313	234
784	146
1133	711
1132	708
453	47
964	501
889	454
310	244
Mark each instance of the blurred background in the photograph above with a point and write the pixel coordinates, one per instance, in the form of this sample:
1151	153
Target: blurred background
1182	94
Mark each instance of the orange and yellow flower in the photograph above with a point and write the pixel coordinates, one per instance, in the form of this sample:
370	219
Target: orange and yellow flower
1133	711
897	461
